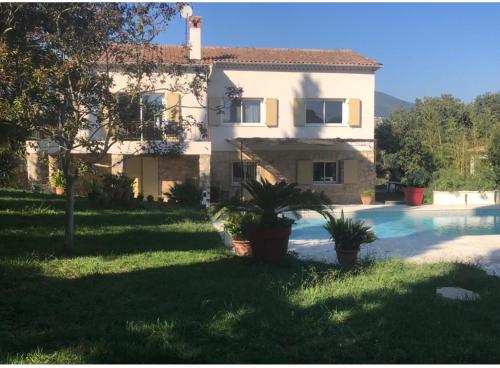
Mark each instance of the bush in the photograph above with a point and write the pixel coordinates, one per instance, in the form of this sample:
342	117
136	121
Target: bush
368	193
187	193
451	180
116	190
150	198
93	186
57	179
494	156
414	179
238	224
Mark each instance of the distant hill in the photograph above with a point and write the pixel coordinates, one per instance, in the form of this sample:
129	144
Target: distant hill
385	103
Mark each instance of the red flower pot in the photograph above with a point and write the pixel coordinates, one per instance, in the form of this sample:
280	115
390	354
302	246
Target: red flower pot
414	196
270	245
242	247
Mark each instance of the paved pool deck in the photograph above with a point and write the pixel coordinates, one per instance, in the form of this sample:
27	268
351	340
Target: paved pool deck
482	250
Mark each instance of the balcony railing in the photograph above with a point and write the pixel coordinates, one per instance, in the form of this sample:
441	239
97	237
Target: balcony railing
165	131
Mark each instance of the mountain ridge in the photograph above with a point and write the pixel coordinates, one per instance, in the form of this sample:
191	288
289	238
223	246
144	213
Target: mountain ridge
385	103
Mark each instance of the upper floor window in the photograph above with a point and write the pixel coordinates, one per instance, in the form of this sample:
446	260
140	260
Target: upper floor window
149	108
324	111
245	110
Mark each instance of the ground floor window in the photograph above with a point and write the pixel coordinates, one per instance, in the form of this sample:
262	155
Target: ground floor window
244	170
325	173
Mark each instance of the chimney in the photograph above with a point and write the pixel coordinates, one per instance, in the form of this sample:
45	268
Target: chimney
195	37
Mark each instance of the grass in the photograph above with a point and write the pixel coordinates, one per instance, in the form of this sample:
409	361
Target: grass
156	284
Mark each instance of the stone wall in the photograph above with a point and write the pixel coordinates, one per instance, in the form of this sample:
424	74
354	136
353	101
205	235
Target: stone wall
282	165
176	170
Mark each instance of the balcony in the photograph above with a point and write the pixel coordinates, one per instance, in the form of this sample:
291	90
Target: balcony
164	131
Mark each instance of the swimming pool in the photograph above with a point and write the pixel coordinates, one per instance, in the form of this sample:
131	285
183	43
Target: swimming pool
399	224
411	234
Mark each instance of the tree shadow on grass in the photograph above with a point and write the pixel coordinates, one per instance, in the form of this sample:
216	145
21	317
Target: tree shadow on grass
235	310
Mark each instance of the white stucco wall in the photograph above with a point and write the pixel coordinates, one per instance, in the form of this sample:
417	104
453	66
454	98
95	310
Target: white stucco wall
286	86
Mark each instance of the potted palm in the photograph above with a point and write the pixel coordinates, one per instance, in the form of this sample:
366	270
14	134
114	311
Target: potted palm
269	238
414	191
58	181
367	196
348	236
238	225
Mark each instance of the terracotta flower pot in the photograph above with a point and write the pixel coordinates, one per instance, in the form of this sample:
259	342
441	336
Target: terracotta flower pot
270	245
347	258
59	191
414	196
242	247
367	200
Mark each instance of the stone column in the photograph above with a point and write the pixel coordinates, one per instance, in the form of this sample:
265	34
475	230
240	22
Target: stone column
34	167
117	164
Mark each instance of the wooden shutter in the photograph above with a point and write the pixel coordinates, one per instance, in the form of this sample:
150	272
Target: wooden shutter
174	107
350	172
354	112
304	172
213	107
272	112
299	114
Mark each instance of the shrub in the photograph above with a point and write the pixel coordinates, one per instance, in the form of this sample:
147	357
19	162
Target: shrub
347	233
150	198
238	224
160	199
57	179
451	180
414	179
140	197
368	193
494	156
116	190
187	193
93	186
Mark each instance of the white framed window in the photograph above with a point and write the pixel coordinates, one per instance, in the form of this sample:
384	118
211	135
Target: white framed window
244	170
243	111
149	108
325	111
325	172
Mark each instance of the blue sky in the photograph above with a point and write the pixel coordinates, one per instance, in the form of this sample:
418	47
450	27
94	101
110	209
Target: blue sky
427	49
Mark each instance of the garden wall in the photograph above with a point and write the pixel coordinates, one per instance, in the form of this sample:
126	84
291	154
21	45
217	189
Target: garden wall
466	197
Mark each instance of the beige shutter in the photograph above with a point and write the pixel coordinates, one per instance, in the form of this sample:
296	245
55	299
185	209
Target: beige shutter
354	112
174	107
299	114
214	117
304	172
272	112
350	171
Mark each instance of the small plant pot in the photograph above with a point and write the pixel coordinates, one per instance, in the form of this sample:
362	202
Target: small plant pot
242	247
347	258
414	196
367	200
59	191
270	245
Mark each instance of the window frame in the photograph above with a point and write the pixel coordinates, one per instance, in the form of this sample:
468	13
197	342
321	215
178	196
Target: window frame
345	112
336	182
244	162
227	105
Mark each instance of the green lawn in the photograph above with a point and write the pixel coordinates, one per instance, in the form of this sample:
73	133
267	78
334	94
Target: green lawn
157	285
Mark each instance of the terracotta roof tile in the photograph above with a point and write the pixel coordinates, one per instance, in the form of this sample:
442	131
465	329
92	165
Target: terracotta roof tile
178	55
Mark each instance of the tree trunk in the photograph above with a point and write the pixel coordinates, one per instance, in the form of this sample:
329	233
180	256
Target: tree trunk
69	217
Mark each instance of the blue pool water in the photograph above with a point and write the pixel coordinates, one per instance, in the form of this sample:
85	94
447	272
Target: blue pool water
397	224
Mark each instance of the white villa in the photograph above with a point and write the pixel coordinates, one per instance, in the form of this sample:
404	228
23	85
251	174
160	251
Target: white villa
305	116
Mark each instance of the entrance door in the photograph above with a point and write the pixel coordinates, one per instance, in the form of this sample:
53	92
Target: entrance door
150	176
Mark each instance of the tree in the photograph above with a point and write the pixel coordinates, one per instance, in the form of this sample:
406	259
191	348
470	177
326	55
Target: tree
71	50
494	155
